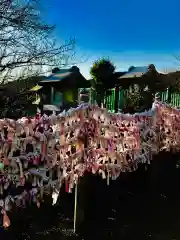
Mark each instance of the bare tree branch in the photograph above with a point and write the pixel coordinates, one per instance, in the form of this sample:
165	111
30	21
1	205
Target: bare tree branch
26	43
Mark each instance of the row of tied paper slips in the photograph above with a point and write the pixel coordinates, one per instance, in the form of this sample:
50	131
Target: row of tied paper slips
38	155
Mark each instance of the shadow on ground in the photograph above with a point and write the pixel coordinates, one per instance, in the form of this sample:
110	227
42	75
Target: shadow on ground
143	205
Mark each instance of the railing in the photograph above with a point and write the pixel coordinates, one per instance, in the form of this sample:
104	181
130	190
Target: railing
172	99
109	100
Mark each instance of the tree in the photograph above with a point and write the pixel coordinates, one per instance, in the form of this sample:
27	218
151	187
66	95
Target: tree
27	46
15	97
102	73
102	70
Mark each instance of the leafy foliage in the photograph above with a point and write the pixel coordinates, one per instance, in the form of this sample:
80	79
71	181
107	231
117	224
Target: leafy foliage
102	70
102	73
138	100
15	99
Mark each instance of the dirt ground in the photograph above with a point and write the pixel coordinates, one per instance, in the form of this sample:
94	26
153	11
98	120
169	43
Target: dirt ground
141	205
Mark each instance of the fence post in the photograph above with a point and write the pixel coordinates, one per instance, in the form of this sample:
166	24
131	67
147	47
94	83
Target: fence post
169	90
116	99
75	207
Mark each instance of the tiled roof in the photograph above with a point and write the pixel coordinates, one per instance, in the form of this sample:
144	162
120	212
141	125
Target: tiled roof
136	72
61	75
57	77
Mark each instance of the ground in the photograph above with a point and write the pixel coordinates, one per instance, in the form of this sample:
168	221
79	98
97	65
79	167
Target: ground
140	205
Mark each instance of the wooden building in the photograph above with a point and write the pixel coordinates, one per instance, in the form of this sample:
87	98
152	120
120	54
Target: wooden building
61	88
122	83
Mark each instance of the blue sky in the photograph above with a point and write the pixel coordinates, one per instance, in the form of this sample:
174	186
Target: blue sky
128	32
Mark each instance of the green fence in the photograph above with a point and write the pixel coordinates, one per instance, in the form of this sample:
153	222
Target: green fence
122	98
175	100
109	101
164	96
172	99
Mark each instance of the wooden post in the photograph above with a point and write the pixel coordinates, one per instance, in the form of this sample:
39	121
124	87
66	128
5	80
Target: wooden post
116	101
169	94
75	206
52	95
